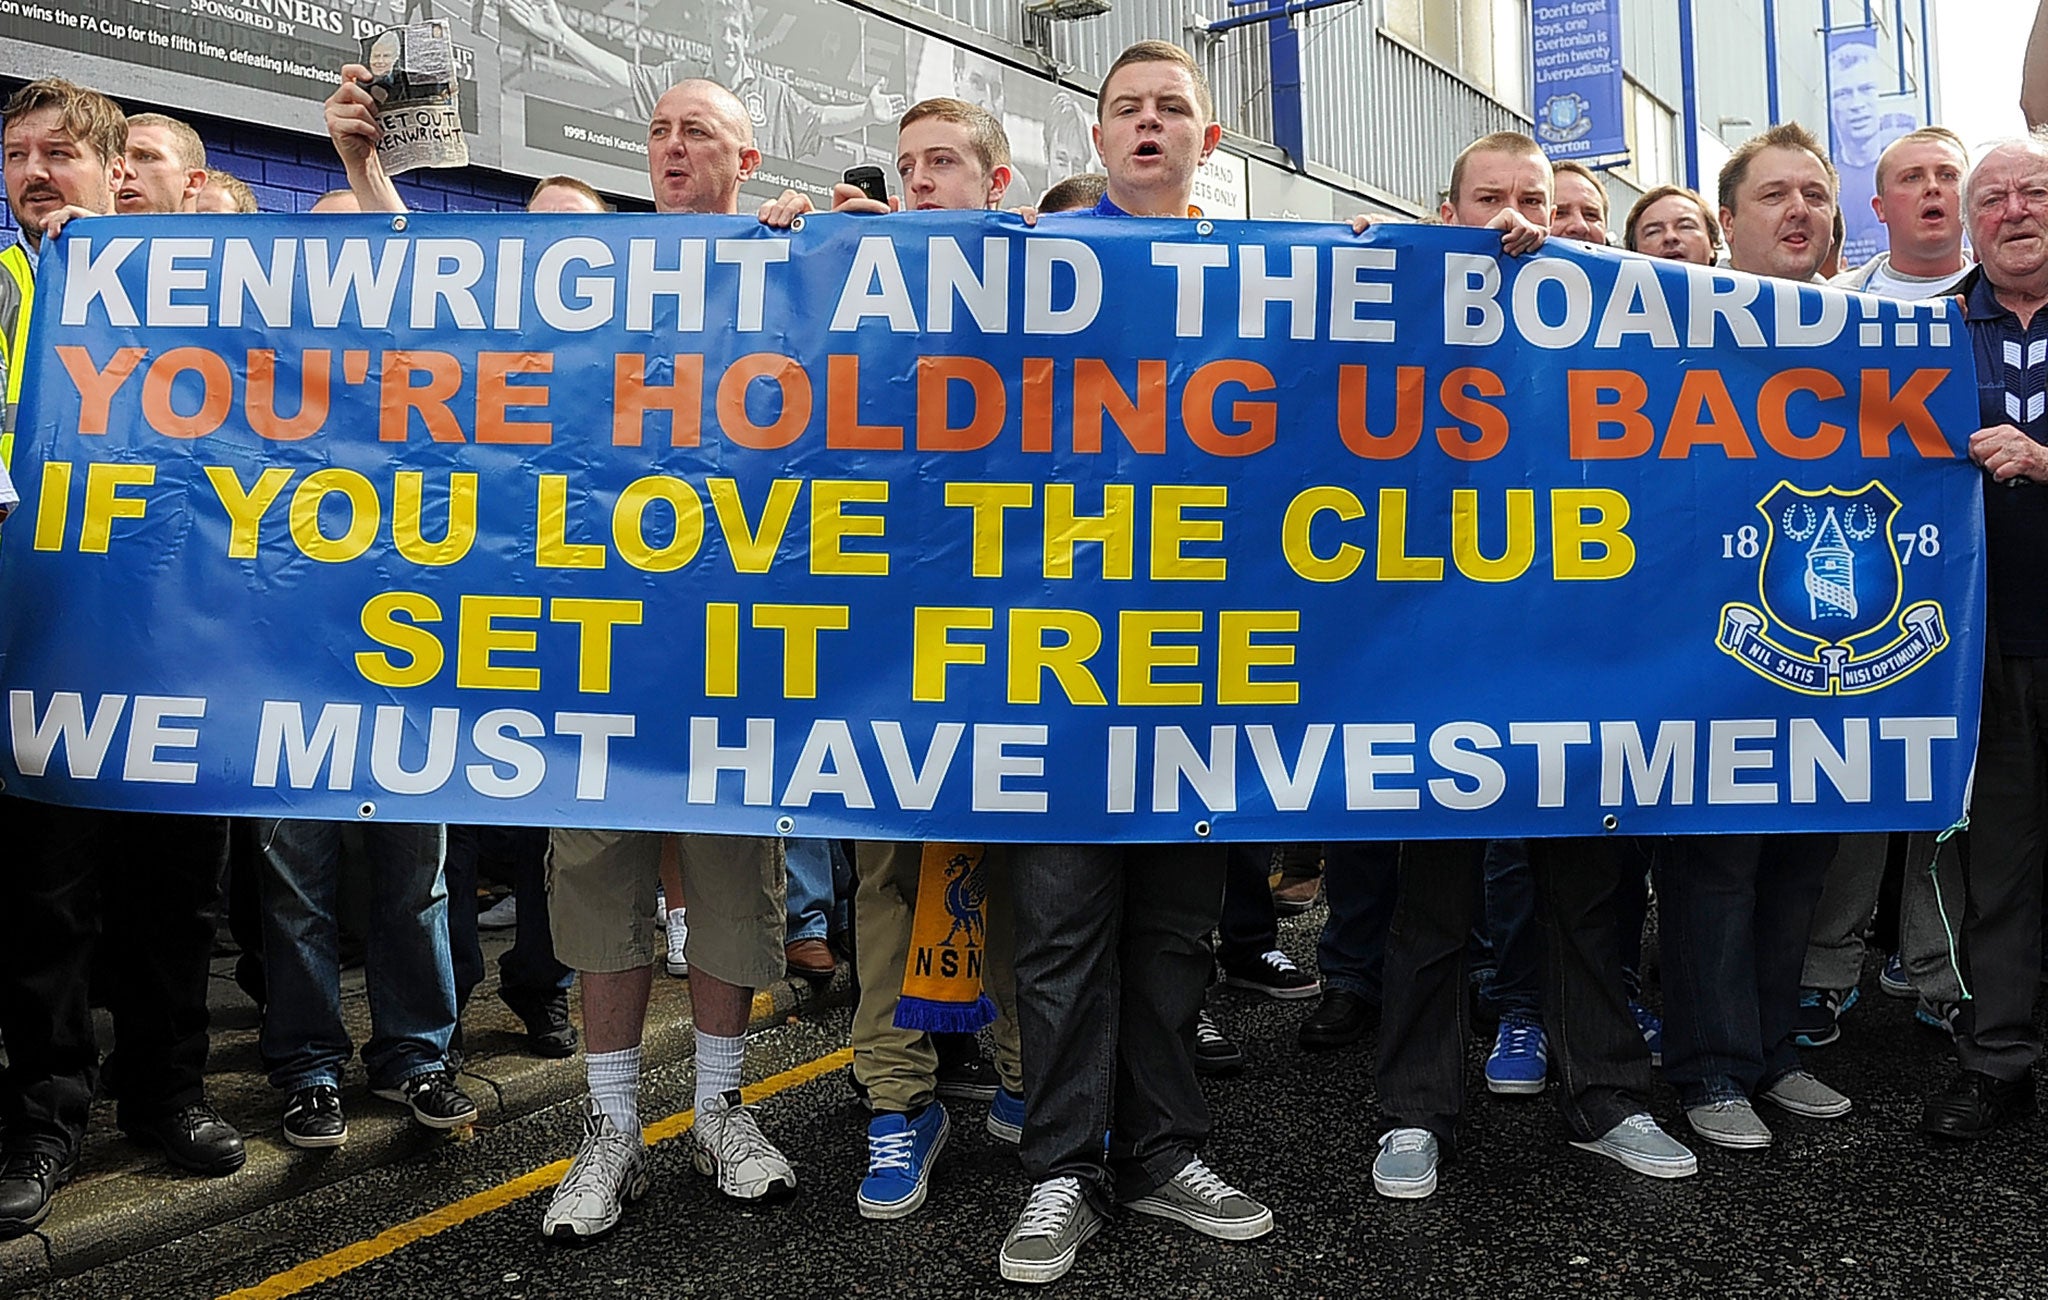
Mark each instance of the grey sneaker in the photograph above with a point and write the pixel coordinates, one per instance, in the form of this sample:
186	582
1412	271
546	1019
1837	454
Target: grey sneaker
1729	1124
1197	1197
609	1172
1405	1168
731	1148
1637	1143
1802	1094
1057	1218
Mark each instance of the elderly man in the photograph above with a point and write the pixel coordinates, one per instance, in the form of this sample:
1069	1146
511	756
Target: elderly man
1997	1040
700	151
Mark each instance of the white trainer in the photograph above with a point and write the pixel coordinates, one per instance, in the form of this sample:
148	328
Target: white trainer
609	1172
678	927
731	1148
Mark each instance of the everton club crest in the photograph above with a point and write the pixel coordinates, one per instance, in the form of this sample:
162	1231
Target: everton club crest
1830	585
1563	118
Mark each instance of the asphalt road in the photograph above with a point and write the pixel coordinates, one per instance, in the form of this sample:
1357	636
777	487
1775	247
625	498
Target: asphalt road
1858	1207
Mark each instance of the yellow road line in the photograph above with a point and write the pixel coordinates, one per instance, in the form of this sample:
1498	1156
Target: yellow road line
353	1256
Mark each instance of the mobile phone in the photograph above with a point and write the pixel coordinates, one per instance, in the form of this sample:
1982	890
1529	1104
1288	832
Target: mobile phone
873	182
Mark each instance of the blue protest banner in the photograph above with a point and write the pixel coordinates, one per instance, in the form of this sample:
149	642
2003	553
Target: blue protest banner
1575	53
941	527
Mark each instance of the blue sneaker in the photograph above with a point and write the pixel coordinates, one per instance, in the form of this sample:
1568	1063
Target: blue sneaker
1006	1116
1891	978
1651	1026
1520	1060
1405	1167
901	1151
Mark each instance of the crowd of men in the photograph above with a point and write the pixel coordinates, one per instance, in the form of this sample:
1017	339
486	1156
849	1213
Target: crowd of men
1099	956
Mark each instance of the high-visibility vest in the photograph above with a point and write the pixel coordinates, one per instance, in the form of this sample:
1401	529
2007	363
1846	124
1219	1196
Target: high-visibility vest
14	344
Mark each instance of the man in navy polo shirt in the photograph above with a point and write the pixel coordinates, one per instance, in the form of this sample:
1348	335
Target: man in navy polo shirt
1997	1042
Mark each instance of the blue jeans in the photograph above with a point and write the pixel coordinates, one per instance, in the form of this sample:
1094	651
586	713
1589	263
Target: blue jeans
1514	983
410	976
1602	1066
812	874
1733	913
1359	881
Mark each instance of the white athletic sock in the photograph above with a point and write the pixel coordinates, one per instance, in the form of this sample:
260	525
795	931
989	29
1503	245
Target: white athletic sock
615	1086
718	1065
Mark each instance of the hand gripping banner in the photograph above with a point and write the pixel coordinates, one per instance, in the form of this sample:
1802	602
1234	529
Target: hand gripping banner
942	527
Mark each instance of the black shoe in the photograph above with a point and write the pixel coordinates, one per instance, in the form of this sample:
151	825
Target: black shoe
1215	1053
1976	1103
435	1100
1339	1020
312	1118
28	1179
1275	975
971	1078
549	1032
195	1138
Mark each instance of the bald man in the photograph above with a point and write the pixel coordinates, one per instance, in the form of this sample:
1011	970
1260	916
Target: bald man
700	151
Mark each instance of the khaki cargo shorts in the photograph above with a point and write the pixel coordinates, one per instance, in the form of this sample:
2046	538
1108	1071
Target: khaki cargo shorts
601	888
